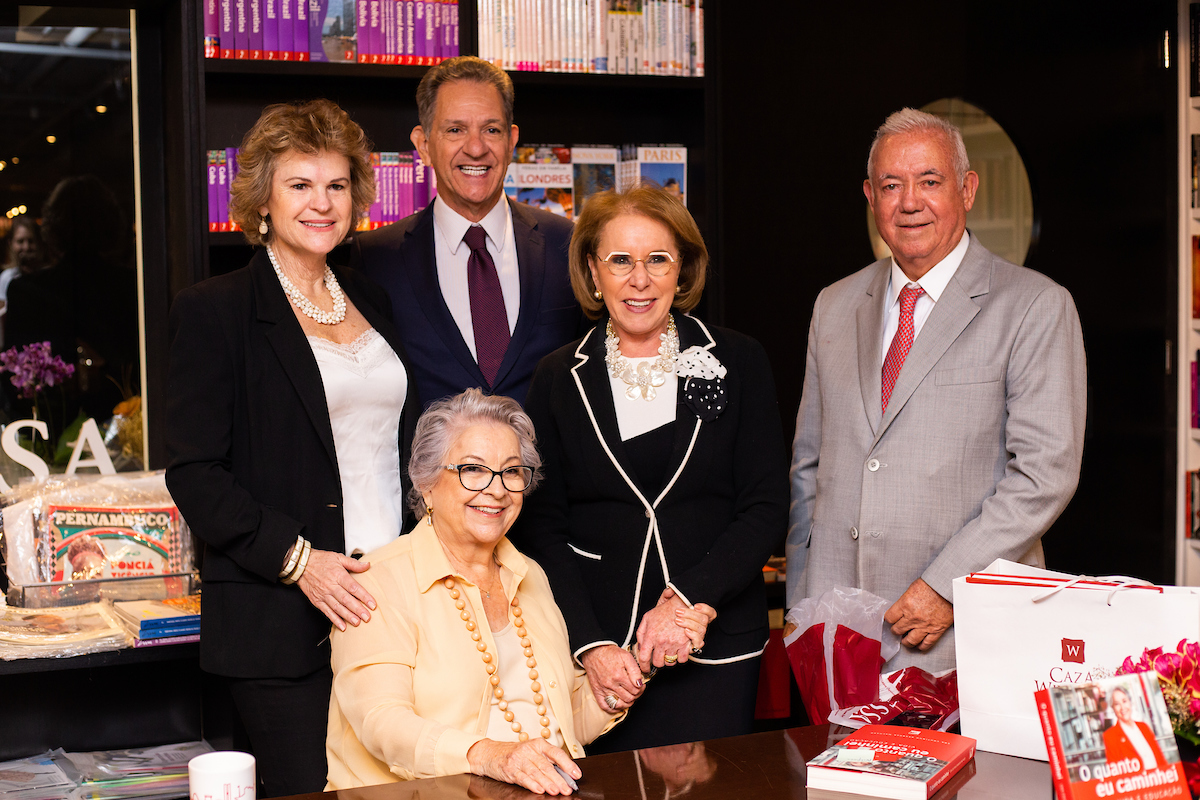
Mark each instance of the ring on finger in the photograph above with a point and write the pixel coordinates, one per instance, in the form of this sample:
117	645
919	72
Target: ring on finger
697	651
611	701
671	659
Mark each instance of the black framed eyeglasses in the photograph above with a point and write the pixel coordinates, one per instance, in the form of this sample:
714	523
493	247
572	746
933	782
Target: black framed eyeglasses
477	477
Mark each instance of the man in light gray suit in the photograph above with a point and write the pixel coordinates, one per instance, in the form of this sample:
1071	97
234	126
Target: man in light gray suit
941	424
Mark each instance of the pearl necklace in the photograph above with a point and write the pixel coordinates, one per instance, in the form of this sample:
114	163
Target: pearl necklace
647	376
306	306
488	664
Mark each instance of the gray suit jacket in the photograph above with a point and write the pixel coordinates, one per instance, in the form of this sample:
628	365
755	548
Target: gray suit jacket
977	455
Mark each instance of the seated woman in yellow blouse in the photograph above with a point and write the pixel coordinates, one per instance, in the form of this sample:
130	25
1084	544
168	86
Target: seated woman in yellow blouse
465	666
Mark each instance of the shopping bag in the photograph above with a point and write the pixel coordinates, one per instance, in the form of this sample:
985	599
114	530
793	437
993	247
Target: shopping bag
839	645
1019	629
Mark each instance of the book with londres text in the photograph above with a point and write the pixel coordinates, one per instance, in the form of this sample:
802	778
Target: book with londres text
891	761
1111	738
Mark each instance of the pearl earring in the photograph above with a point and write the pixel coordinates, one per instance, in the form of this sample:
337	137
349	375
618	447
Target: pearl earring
429	512
262	226
599	295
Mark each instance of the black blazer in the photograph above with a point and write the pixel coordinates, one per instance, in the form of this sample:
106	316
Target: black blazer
252	462
723	511
401	258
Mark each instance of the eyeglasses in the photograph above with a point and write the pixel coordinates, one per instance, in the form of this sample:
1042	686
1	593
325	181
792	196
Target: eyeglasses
620	263
477	477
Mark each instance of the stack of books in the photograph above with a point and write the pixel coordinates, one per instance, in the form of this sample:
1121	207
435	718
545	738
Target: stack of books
175	620
414	32
892	761
616	37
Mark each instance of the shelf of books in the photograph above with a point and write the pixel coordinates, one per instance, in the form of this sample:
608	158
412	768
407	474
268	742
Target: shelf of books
1187	563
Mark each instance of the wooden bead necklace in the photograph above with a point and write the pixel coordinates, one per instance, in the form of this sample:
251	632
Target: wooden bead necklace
490	665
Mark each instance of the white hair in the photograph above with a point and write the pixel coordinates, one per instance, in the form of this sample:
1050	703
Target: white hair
445	419
910	120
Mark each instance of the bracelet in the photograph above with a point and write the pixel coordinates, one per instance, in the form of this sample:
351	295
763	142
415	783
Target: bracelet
293	557
295	576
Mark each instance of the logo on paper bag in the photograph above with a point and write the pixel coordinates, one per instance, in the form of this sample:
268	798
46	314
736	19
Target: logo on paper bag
1072	650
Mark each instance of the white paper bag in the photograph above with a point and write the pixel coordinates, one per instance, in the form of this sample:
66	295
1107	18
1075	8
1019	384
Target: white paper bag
1009	646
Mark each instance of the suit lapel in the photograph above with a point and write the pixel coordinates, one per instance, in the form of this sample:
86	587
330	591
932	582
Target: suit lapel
951	314
531	264
596	392
870	338
291	347
420	256
691	333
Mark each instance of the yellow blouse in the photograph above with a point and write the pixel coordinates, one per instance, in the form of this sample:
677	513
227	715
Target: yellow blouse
410	692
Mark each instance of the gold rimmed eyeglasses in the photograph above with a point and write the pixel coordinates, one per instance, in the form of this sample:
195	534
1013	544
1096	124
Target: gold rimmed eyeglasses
620	263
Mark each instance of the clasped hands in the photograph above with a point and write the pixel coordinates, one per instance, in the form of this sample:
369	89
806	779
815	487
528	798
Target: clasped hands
668	634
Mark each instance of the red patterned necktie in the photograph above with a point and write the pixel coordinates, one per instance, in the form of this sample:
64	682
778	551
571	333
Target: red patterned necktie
901	342
488	317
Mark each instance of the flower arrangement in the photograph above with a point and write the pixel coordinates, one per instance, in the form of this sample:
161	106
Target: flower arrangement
34	369
1179	676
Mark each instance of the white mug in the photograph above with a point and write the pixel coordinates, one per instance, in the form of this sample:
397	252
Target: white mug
223	775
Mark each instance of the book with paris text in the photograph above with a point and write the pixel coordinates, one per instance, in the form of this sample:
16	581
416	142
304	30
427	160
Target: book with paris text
1111	737
891	761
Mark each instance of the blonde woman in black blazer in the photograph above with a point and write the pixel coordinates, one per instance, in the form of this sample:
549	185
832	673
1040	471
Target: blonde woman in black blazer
666	479
272	367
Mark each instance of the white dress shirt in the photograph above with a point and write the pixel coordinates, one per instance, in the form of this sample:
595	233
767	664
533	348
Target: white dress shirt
452	255
933	282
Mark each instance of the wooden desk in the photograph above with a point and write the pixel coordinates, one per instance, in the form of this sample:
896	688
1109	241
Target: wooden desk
761	766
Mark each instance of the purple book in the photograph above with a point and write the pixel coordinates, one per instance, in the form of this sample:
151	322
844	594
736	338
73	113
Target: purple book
431	182
231	161
430	35
287	47
271	30
419	51
212	29
300	29
241	30
222	191
452	29
316	19
214	219
420	189
404	184
227	27
254	9
404	46
184	639
363	10
375	214
387	31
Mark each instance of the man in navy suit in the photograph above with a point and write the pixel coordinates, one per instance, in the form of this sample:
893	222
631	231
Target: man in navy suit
473	308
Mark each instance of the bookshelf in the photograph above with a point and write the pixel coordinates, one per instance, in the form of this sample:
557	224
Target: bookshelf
550	107
1187	561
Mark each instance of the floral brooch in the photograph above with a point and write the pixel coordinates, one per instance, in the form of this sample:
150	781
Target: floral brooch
703	389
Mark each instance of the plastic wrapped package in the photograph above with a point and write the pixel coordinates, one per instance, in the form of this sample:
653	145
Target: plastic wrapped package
60	632
78	538
143	772
839	645
49	776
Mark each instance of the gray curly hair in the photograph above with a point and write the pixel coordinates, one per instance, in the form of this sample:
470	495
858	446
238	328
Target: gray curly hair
442	423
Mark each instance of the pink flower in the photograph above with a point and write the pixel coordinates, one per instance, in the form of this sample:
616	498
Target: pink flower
34	369
1169	666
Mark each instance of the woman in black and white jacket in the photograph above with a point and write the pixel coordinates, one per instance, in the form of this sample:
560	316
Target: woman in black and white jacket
666	478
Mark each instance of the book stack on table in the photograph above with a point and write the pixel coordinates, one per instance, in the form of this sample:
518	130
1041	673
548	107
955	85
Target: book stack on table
175	620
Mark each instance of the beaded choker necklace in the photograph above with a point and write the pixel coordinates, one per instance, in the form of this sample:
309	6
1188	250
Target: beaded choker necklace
491	666
646	377
306	306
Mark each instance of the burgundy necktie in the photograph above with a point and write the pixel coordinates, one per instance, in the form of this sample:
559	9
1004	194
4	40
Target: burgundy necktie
901	342
488	317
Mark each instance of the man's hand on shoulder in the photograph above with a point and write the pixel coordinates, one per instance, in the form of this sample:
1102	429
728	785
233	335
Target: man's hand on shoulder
920	616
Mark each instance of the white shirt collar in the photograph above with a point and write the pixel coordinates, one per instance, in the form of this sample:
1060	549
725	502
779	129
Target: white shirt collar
933	282
453	226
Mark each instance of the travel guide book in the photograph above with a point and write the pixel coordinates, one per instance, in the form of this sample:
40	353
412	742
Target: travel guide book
891	761
1111	738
